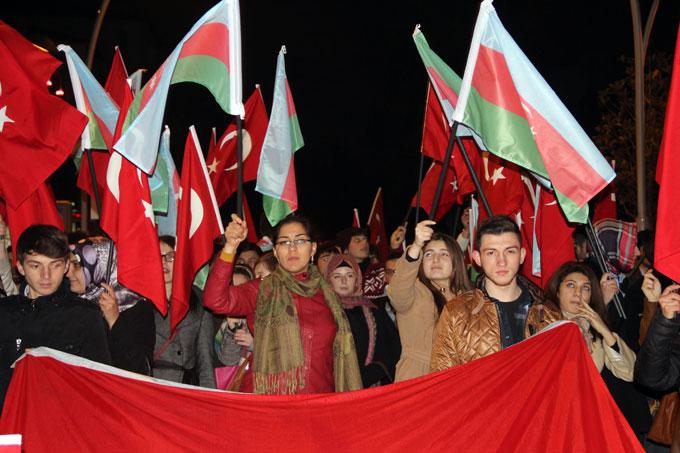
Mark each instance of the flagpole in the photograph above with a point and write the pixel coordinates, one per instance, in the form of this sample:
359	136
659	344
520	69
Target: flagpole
239	166
420	182
408	214
597	247
84	200
442	173
375	200
473	175
456	219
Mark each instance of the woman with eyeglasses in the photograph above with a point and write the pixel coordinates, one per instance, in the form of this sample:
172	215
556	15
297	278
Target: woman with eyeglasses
303	342
128	315
185	356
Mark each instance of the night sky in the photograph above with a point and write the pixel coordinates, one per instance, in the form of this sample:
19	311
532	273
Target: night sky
357	80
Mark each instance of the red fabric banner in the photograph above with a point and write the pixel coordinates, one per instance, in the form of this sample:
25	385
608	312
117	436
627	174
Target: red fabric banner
543	394
667	243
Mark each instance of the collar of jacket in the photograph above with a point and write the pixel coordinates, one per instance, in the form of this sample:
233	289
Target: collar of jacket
56	298
536	293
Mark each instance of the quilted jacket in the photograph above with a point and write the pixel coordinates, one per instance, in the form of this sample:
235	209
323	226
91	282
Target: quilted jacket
469	326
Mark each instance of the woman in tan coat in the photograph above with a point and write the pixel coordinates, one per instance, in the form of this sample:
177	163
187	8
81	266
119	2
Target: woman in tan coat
431	272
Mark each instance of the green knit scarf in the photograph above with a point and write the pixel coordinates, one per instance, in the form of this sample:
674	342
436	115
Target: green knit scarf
278	357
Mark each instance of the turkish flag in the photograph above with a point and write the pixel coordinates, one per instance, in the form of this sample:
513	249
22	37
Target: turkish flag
605	202
222	159
38	208
100	159
248	217
198	224
525	219
116	83
554	232
502	184
667	241
428	186
376	226
436	134
127	216
118	88
133	229
212	146
38	131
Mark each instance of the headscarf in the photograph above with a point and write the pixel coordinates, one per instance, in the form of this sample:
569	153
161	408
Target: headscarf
93	259
356	299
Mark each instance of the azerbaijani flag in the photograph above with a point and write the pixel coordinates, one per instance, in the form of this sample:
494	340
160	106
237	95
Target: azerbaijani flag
276	174
520	118
164	185
445	81
210	55
93	101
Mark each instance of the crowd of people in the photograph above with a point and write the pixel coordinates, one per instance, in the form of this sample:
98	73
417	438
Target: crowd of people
334	316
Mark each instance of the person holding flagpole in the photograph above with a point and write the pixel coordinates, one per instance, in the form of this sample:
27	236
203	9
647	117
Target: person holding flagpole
303	342
430	273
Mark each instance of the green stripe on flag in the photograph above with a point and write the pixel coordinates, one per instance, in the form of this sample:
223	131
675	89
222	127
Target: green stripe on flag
96	138
509	136
275	209
207	71
296	139
133	110
504	133
432	60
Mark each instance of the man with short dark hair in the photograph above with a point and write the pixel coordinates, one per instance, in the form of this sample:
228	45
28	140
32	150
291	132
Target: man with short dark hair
505	308
582	250
353	241
45	312
248	254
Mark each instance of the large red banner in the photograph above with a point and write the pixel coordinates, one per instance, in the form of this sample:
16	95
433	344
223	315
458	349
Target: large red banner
543	394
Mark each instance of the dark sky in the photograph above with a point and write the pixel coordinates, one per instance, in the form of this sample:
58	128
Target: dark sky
357	80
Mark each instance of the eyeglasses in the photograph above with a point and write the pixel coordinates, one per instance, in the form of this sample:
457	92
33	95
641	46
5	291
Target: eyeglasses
168	257
295	242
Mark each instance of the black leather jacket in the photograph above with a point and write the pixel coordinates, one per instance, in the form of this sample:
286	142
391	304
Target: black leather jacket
658	362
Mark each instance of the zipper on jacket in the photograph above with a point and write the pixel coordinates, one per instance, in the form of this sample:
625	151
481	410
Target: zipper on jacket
18	341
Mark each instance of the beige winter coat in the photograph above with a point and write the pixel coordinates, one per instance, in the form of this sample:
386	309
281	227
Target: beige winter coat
416	317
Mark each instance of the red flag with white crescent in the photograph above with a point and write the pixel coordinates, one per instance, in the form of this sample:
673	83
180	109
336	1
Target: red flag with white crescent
198	224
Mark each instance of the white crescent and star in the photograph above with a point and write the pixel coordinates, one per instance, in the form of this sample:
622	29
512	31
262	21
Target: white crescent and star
247	146
148	211
212	168
497	174
196	213
113	173
3	114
